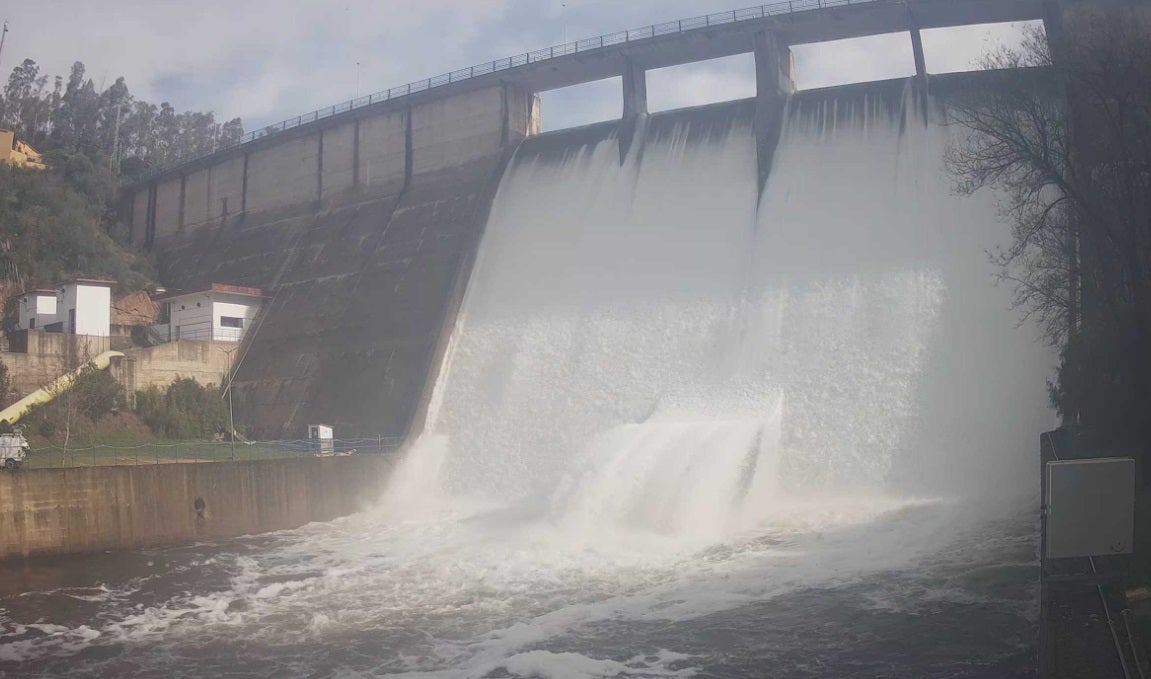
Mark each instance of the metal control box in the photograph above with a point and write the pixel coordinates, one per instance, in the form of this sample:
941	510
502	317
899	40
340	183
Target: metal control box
322	440
1090	507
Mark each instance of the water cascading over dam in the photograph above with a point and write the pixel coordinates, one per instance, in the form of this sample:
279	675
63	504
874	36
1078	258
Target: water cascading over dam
685	426
661	327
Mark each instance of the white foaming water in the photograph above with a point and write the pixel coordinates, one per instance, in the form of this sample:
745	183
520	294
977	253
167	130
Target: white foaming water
654	346
668	397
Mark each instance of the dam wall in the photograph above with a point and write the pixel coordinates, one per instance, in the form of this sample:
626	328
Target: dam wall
87	509
361	249
363	219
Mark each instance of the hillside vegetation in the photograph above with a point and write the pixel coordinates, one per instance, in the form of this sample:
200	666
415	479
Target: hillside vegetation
60	223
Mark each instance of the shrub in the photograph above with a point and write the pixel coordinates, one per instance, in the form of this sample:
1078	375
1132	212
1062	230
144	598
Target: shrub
185	410
97	393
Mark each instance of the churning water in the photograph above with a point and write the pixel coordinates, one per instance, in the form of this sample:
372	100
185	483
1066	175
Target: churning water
685	427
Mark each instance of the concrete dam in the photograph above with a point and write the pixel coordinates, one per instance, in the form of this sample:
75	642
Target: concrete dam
727	391
363	220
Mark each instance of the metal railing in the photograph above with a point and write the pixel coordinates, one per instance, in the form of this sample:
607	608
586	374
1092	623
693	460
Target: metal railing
757	13
190	452
220	334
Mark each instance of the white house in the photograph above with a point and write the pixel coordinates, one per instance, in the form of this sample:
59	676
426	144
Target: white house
219	312
84	306
37	309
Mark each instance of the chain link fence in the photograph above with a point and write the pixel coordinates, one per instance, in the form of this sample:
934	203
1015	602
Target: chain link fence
191	452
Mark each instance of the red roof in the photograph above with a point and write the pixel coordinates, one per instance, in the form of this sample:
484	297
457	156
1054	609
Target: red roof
89	281
218	287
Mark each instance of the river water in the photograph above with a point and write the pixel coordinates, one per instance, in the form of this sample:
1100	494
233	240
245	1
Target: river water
685	428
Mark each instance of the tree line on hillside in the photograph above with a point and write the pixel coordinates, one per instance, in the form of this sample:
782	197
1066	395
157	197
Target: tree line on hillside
73	115
1068	142
61	223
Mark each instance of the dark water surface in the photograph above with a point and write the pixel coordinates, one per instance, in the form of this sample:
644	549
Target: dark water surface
298	604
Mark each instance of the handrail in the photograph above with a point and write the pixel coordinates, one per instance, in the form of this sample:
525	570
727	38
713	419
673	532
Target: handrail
781	7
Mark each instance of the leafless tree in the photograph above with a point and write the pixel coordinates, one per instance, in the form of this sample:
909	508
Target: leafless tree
1066	138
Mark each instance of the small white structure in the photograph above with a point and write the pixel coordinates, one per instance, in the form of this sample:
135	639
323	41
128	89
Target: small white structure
322	438
37	309
84	306
1090	507
219	312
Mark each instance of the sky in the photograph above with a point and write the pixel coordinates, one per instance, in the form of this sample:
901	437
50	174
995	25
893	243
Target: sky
268	60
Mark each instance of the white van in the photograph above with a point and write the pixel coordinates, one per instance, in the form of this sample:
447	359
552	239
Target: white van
13	450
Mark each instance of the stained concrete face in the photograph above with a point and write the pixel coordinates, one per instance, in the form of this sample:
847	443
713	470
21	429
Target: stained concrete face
457	130
139	222
382	156
284	175
197	206
226	188
168	207
339	157
361	288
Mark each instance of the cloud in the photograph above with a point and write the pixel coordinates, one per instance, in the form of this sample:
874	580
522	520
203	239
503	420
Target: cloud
266	60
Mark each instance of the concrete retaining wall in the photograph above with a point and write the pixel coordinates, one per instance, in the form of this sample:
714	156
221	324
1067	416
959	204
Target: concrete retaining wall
159	366
84	509
49	356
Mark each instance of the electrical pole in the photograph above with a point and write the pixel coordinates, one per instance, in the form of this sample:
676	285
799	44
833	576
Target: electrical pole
2	36
231	421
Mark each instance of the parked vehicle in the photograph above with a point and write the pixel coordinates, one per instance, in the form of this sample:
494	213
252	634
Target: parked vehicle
13	450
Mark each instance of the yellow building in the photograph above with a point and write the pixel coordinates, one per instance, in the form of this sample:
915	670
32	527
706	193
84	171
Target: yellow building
17	153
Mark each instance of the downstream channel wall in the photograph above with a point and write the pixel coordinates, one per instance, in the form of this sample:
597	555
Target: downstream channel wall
86	509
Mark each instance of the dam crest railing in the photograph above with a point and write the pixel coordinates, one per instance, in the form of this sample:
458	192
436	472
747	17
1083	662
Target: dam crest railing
760	12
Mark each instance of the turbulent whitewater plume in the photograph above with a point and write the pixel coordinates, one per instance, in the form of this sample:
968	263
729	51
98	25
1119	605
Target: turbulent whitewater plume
642	343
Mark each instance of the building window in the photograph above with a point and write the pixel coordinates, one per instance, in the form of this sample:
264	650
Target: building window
32	323
231	322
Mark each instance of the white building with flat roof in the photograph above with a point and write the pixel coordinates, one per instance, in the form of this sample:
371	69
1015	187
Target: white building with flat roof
218	312
37	309
84	306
